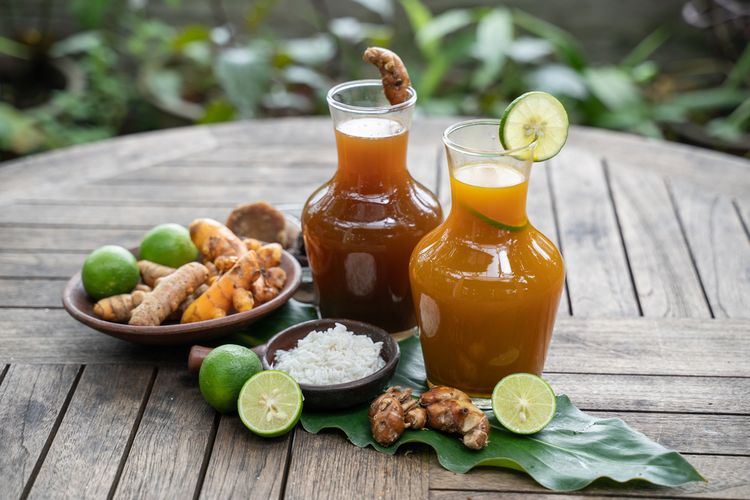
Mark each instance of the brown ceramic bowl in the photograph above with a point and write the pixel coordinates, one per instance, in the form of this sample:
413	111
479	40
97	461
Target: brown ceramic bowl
81	307
334	397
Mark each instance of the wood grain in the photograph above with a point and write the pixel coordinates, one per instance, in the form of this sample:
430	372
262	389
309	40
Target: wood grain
720	248
24	240
31	398
169	447
482	495
86	452
20	292
727	478
243	465
665	278
597	270
30	264
325	466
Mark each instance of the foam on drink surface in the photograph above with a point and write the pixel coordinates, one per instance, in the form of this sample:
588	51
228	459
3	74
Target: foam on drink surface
371	128
490	175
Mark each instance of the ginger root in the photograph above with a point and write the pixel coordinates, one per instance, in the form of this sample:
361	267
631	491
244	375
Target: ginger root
169	293
214	239
451	410
217	301
393	412
151	271
118	308
393	73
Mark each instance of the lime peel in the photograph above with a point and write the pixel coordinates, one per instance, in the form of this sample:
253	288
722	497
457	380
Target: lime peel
523	403
535	121
270	403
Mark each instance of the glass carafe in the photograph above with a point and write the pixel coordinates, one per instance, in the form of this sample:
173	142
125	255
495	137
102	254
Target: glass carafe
486	283
361	226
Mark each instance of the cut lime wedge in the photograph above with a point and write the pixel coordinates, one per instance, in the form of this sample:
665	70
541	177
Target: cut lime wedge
535	117
270	403
523	403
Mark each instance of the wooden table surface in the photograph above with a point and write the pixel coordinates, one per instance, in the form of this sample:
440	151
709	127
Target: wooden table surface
654	326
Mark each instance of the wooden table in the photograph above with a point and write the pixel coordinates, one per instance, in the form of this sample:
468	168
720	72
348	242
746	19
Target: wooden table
654	326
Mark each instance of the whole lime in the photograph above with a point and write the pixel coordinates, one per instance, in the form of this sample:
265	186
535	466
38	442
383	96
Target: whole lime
169	245
109	270
223	373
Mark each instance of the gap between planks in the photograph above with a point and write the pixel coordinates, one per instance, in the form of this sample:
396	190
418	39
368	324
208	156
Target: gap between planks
207	456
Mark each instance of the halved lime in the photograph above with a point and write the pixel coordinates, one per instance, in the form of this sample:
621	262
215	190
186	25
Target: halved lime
523	403
535	116
270	403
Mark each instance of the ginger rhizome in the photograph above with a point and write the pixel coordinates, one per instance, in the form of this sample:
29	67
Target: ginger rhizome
151	271
169	293
118	308
218	300
442	408
393	73
393	412
214	239
451	410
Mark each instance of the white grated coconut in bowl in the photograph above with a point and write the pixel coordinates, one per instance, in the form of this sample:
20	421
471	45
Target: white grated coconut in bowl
331	357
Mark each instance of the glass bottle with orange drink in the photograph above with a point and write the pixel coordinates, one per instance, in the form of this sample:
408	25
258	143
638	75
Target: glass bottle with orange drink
361	226
486	283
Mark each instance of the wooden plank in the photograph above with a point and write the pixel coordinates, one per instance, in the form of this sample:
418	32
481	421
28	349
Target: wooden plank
243	465
31	398
43	336
325	465
31	293
663	271
57	239
28	264
86	453
647	393
481	495
639	346
727	478
168	450
597	270
720	248
248	155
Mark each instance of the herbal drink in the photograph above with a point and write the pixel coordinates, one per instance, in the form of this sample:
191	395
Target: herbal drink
360	227
486	284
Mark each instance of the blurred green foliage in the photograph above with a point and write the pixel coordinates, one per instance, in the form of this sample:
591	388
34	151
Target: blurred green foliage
467	61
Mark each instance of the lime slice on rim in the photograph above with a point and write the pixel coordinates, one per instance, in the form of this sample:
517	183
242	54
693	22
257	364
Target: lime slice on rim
523	403
270	403
535	116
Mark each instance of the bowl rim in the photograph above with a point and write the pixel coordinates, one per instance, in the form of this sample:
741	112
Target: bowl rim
349	323
236	319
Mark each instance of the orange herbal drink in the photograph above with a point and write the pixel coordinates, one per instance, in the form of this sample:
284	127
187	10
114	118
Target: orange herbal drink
486	283
360	227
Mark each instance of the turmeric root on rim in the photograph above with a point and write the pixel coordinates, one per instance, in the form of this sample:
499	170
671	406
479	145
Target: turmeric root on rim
118	308
171	291
451	410
217	301
151	271
393	73
269	255
214	239
242	300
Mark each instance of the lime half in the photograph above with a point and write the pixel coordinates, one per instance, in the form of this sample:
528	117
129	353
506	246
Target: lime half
535	116
270	403
523	403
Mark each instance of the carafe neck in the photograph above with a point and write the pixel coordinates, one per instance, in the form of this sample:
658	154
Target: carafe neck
371	164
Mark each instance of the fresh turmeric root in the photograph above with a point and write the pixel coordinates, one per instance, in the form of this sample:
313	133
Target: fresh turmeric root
224	263
151	271
118	308
393	73
169	293
451	410
269	255
393	412
217	301
214	239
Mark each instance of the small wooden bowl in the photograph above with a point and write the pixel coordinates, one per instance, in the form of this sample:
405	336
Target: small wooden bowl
338	396
81	307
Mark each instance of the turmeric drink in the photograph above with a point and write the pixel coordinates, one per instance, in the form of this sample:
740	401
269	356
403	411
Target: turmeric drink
360	227
486	284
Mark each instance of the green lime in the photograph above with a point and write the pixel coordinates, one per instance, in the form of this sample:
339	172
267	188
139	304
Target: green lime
109	270
270	403
535	116
169	245
223	373
523	403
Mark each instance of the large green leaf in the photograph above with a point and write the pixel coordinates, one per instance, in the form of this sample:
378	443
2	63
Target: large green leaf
574	450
